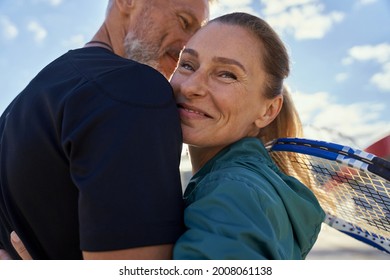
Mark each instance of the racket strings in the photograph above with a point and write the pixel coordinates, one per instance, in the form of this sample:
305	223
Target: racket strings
358	197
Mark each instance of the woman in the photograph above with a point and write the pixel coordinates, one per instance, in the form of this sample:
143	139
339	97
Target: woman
229	92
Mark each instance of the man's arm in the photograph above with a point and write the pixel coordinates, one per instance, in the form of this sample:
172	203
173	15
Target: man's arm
159	252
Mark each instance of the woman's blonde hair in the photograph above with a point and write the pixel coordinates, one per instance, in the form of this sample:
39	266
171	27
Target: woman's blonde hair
286	124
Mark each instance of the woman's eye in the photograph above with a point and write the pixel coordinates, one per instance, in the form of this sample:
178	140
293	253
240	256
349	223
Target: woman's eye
228	75
186	66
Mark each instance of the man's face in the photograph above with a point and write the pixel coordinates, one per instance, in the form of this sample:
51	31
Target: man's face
161	29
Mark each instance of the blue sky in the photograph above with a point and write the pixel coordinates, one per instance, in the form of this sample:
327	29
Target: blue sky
340	53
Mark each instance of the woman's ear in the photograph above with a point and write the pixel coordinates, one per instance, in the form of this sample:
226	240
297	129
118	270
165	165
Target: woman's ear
272	110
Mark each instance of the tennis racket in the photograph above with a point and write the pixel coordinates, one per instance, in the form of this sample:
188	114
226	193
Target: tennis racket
352	186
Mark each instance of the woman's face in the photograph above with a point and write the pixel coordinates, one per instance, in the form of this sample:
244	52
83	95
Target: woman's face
218	87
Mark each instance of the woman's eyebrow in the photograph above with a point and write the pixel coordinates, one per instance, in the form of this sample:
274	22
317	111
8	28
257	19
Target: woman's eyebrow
225	60
190	52
217	59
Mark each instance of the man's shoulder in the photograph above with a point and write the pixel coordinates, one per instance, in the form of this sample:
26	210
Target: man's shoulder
121	79
137	84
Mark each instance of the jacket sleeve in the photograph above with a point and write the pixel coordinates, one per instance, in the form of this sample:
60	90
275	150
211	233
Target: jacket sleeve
232	220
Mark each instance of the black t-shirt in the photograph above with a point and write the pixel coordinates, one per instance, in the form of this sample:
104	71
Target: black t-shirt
89	158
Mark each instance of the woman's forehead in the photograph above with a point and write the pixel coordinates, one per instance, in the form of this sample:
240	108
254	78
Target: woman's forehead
226	40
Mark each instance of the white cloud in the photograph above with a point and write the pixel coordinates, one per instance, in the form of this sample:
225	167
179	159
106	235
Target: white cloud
8	28
382	79
341	77
227	6
75	41
304	19
55	2
347	61
378	53
358	121
366	2
49	2
275	7
39	32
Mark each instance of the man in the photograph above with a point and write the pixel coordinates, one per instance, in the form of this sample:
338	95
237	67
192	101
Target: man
90	150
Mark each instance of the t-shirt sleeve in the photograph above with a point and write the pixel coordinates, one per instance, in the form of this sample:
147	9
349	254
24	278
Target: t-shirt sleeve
228	223
124	156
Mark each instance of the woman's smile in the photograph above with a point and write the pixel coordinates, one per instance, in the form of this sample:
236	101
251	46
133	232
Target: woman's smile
190	112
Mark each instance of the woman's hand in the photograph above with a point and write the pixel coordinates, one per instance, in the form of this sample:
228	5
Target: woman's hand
19	247
4	256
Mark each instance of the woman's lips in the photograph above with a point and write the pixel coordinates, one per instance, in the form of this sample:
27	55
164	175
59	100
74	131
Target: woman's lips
191	112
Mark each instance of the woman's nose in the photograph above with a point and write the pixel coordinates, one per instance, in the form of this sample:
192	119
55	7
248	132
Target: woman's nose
195	85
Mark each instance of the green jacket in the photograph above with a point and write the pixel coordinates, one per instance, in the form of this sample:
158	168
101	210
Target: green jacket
241	206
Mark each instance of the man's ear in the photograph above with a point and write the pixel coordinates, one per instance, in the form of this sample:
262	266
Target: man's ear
125	6
272	110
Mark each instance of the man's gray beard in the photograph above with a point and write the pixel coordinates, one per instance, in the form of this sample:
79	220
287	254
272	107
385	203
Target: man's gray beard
141	51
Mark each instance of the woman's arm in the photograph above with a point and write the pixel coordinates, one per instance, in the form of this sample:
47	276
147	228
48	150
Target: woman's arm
4	255
18	246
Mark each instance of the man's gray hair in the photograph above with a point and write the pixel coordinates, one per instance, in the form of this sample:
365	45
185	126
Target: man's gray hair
111	2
